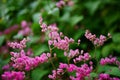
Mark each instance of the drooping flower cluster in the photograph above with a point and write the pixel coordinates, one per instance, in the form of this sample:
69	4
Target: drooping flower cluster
56	38
77	56
104	76
11	29
13	75
96	41
62	3
6	67
4	49
26	30
81	72
23	62
84	57
109	60
17	45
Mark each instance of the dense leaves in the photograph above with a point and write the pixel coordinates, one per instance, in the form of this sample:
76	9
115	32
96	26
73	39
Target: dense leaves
98	16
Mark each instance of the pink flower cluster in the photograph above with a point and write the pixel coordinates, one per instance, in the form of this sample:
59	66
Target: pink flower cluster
13	75
72	53
110	60
62	3
56	39
20	45
26	30
84	57
77	56
104	76
11	29
81	72
23	62
6	67
96	41
107	60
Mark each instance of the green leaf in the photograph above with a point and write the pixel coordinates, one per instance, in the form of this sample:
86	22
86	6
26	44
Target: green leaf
18	36
36	17
92	6
38	73
2	38
22	12
76	19
93	74
116	38
106	50
101	68
78	34
114	71
34	39
40	49
110	18
65	17
54	12
109	70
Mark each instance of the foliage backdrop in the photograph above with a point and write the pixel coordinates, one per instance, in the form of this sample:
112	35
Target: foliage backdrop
99	16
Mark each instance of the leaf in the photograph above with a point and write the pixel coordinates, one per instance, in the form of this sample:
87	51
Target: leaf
109	70
103	68
110	18
18	36
116	38
114	71
106	50
65	17
54	12
76	19
38	73
22	12
36	17
92	6
78	34
2	38
34	39
40	49
93	74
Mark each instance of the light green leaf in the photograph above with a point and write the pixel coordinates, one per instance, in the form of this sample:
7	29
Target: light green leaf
36	17
92	6
116	38
2	38
37	74
76	19
40	49
106	50
113	71
54	12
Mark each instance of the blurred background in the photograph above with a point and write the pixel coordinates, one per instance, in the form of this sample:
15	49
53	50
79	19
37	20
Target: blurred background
73	18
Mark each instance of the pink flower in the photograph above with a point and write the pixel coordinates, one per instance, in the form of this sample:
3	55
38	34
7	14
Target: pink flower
96	41
71	68
20	45
63	65
60	3
6	67
13	75
104	76
26	30
40	21
24	24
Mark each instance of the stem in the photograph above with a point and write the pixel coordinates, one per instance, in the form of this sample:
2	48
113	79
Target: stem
95	52
50	59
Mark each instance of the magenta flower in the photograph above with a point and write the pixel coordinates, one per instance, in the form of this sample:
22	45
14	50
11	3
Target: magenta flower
13	75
